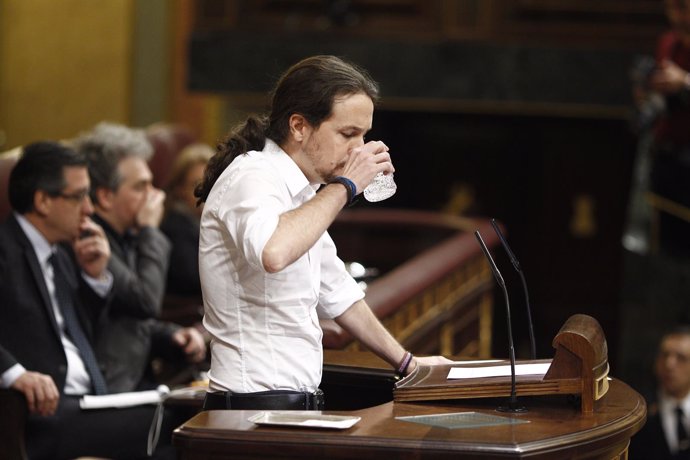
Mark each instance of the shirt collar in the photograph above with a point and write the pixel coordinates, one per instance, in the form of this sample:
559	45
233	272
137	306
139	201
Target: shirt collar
42	247
666	402
295	179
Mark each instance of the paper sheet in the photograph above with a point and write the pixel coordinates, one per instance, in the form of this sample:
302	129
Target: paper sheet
497	371
129	399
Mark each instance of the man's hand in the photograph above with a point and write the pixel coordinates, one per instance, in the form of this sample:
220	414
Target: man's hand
192	343
40	391
92	249
151	213
427	361
669	78
367	161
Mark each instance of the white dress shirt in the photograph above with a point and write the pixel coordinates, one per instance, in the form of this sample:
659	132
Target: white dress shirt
77	380
265	326
667	413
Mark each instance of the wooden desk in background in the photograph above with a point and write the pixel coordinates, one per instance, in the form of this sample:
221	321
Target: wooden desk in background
556	428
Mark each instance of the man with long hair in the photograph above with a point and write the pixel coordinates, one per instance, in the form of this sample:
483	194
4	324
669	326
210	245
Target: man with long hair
268	267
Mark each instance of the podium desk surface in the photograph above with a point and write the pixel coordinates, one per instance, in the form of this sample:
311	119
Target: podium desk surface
556	429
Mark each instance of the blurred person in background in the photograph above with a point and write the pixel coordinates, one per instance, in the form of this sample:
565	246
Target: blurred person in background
181	225
665	435
130	209
661	88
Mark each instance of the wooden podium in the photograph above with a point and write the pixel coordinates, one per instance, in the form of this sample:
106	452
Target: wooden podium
600	427
579	367
553	429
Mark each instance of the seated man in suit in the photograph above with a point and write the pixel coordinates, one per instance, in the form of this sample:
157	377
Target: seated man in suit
130	210
665	435
55	287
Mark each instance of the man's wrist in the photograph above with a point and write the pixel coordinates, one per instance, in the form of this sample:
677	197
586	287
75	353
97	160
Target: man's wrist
9	376
404	364
349	186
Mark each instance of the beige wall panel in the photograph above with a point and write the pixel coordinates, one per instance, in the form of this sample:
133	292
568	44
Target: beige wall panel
64	65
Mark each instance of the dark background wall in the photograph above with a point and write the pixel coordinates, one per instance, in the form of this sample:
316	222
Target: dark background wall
512	109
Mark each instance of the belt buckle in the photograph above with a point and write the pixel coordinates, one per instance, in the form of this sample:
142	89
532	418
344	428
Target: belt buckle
316	399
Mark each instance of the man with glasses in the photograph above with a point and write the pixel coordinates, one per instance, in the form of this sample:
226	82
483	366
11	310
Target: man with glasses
55	288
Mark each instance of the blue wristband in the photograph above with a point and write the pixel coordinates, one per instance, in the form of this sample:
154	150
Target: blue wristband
349	186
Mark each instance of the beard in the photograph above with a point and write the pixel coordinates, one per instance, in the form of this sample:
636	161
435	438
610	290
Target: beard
325	173
328	176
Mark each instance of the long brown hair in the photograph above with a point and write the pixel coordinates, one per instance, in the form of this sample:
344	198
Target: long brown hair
309	88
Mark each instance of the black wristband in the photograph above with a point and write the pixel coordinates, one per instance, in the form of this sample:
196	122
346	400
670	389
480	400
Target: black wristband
349	186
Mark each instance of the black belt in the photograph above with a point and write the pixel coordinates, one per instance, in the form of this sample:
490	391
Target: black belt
265	400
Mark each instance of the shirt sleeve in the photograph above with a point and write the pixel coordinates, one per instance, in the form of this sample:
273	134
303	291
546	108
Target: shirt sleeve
338	290
8	377
100	286
250	206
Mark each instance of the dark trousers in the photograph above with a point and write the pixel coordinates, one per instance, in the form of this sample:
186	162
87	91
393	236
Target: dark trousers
112	433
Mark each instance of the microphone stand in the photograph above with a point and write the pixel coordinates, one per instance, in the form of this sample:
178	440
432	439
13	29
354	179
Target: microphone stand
512	402
516	264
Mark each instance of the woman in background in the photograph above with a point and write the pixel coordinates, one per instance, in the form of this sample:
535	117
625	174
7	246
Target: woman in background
181	226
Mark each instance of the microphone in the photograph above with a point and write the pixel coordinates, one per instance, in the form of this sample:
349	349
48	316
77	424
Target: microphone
512	403
516	264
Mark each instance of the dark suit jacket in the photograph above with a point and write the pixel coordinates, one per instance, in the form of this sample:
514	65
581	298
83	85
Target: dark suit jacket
650	442
131	332
28	332
29	336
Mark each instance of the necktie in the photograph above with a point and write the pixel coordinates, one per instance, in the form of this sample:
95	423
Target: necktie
74	329
683	439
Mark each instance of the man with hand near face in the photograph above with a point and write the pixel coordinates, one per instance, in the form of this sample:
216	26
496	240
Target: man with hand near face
55	289
130	209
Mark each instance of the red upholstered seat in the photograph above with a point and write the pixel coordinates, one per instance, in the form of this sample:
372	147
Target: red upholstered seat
7	162
168	139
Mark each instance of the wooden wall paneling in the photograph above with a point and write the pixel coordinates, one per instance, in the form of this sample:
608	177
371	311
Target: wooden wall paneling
359	17
630	23
201	111
215	14
468	19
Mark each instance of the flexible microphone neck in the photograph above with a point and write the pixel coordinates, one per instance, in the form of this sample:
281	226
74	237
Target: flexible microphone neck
512	404
516	265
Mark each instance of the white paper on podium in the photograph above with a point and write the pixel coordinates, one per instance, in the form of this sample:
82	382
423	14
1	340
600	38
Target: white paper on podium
497	371
129	399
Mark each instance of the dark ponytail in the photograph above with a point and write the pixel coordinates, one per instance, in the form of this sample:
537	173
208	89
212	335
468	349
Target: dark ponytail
250	135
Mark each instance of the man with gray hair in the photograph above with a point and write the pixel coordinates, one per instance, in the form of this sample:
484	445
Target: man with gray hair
130	208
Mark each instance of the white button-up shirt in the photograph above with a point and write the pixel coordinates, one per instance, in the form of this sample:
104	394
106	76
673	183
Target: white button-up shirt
265	326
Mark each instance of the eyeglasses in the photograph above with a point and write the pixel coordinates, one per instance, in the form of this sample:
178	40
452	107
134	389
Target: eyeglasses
77	197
